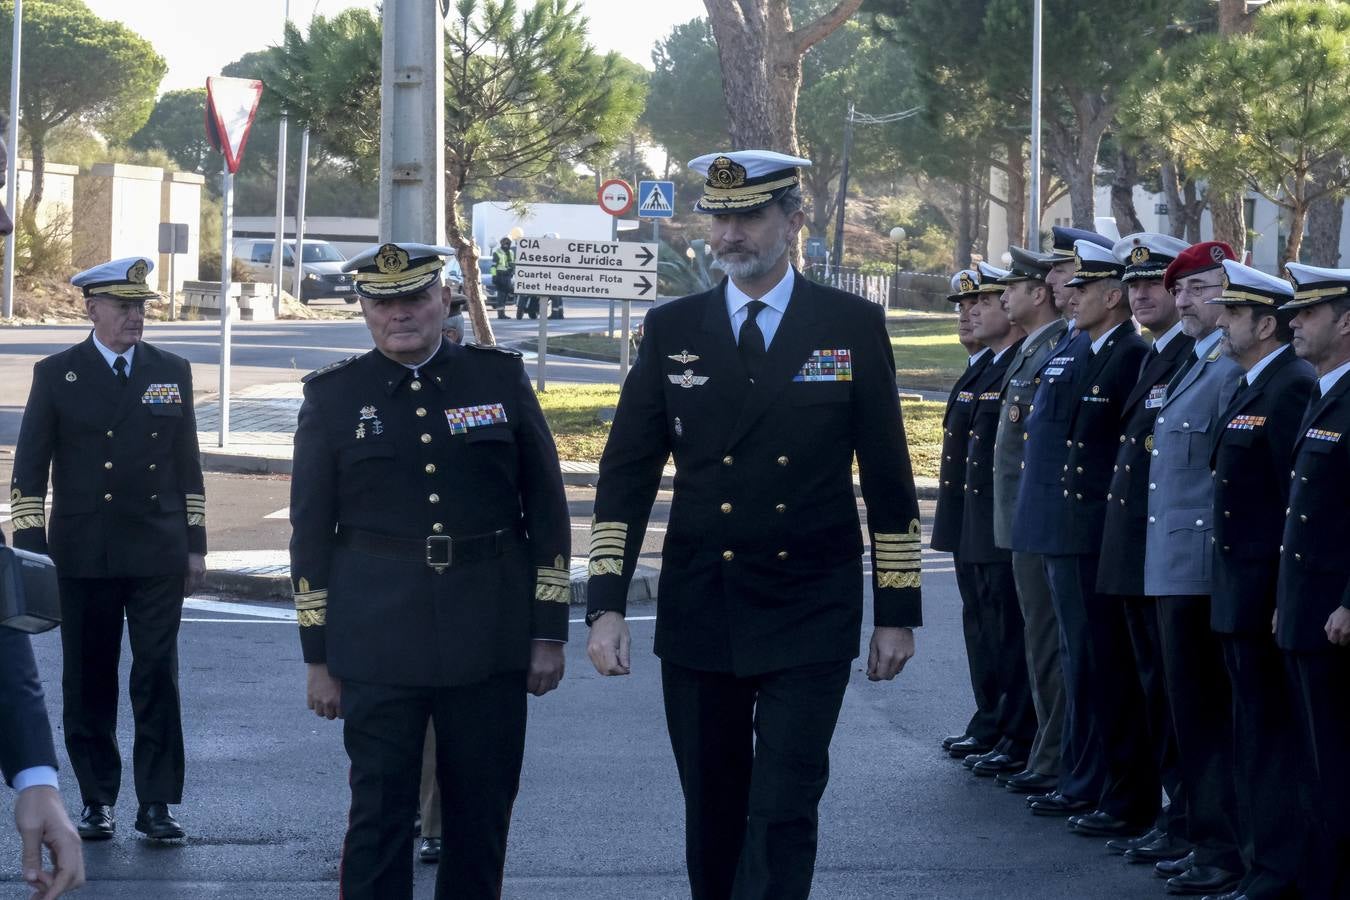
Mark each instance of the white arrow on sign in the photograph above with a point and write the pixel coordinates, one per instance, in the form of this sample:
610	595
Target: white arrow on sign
617	270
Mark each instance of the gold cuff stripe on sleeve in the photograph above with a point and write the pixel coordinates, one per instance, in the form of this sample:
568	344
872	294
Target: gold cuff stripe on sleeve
312	618
201	497
605	567
891	553
607	548
311	600
897	579
22	522
550	575
553	593
196	521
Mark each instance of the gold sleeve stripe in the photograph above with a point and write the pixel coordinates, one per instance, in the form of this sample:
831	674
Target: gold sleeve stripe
553	593
312	618
897	579
603	548
550	575
191	497
196	521
885	553
25	502
311	600
22	522
605	567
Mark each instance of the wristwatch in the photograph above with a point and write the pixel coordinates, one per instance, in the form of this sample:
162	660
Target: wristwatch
597	613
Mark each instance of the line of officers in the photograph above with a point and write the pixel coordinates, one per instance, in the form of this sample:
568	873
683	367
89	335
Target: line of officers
1149	546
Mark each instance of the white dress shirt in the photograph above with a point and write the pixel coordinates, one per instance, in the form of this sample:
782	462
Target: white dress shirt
1260	367
1100	342
1166	337
35	776
776	303
1328	381
109	356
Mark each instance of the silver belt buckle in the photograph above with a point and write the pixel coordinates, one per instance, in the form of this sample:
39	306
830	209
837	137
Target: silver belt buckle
440	552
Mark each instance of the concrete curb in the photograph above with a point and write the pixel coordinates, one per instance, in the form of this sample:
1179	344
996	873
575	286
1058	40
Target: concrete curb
273	587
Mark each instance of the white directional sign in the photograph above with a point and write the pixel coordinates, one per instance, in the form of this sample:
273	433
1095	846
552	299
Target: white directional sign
609	270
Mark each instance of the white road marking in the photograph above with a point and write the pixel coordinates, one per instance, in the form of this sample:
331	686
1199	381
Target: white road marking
283	513
205	604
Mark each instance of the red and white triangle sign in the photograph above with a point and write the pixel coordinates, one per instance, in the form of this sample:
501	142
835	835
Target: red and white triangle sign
231	104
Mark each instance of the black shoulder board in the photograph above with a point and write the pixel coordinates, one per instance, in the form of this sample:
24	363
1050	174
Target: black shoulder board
331	367
507	351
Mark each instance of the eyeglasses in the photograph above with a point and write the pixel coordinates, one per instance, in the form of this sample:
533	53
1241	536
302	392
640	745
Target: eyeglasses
1197	288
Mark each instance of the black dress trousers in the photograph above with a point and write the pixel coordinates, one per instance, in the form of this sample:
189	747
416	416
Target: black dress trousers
1320	679
753	758
979	627
92	610
480	742
1141	621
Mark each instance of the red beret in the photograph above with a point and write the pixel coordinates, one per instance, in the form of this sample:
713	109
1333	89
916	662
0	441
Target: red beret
1199	257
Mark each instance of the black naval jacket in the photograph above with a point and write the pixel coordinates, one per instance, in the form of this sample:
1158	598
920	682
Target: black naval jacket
1252	449
762	559
127	493
1120	571
459	450
1314	567
1108	379
951	498
977	521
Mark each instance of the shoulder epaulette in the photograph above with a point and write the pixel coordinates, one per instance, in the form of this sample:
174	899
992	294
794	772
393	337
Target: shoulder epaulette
507	351
331	367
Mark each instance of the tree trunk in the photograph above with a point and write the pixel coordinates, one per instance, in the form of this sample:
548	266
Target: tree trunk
1324	231
1233	17
468	259
1195	209
1230	221
1015	208
1171	183
37	146
761	61
979	232
964	240
1298	221
1122	193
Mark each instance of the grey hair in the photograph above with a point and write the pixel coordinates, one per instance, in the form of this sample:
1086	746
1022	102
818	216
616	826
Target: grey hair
456	322
791	200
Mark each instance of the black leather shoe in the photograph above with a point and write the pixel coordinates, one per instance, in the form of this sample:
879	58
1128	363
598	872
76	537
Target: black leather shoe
953	739
155	821
1203	880
1163	848
1122	845
97	823
1103	824
1057	804
975	758
1239	894
969	747
1170	868
1031	783
429	851
987	768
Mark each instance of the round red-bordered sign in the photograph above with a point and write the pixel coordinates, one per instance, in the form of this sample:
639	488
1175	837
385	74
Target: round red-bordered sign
616	196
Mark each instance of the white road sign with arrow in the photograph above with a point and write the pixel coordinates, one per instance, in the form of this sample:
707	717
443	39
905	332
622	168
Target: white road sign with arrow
609	270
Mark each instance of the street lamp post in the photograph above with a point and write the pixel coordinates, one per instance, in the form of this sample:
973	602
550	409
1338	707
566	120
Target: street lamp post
897	235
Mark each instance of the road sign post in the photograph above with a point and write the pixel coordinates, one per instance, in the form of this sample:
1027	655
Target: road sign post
173	240
231	104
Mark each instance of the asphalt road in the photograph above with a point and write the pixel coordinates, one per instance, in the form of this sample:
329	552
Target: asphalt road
267	352
599	812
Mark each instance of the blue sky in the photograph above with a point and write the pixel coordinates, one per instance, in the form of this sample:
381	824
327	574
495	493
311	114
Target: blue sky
196	38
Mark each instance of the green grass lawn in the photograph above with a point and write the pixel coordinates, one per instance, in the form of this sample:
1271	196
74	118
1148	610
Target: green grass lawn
927	354
573	412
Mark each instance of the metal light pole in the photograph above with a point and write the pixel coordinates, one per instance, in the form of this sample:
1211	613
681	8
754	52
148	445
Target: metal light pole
12	165
278	251
300	215
412	122
897	235
1034	200
843	187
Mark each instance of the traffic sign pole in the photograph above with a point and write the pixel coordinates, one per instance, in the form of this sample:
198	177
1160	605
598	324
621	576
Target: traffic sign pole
226	249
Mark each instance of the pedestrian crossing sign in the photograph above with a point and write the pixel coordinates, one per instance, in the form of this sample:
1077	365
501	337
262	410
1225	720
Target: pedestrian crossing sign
656	199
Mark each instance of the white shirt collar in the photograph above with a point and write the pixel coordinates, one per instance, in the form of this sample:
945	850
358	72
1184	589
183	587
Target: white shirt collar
1100	342
1206	343
414	368
777	297
999	354
1255	371
1160	344
109	356
976	356
1328	381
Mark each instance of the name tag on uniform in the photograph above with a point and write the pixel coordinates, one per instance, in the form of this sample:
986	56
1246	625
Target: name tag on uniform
1057	365
1318	434
162	393
1156	395
826	365
1246	423
466	417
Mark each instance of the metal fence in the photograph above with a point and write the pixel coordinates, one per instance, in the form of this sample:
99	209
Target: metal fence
907	290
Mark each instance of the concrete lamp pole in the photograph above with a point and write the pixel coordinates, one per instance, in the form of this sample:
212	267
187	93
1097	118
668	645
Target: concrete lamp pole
897	236
12	165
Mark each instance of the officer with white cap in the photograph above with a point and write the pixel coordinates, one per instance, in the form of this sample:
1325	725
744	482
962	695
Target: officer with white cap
764	389
412	603
113	419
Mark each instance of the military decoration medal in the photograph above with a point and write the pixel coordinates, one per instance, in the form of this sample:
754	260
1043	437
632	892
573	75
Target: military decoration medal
368	415
463	418
157	394
827	365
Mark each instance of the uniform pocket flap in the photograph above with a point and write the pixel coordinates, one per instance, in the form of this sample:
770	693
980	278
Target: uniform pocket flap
491	433
1184	424
166	409
810	393
1198	518
372	450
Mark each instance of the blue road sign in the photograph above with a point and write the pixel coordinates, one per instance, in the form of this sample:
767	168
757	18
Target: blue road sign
815	248
656	199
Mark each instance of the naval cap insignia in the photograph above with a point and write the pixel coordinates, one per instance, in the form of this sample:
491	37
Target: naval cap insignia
967	283
726	173
138	272
391	259
1139	255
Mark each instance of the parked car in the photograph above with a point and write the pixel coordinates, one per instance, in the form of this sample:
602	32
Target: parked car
320	263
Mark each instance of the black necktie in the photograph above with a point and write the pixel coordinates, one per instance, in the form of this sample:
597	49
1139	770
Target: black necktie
1191	360
120	367
752	340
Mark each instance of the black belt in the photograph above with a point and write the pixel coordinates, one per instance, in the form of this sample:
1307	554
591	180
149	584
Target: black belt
439	551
